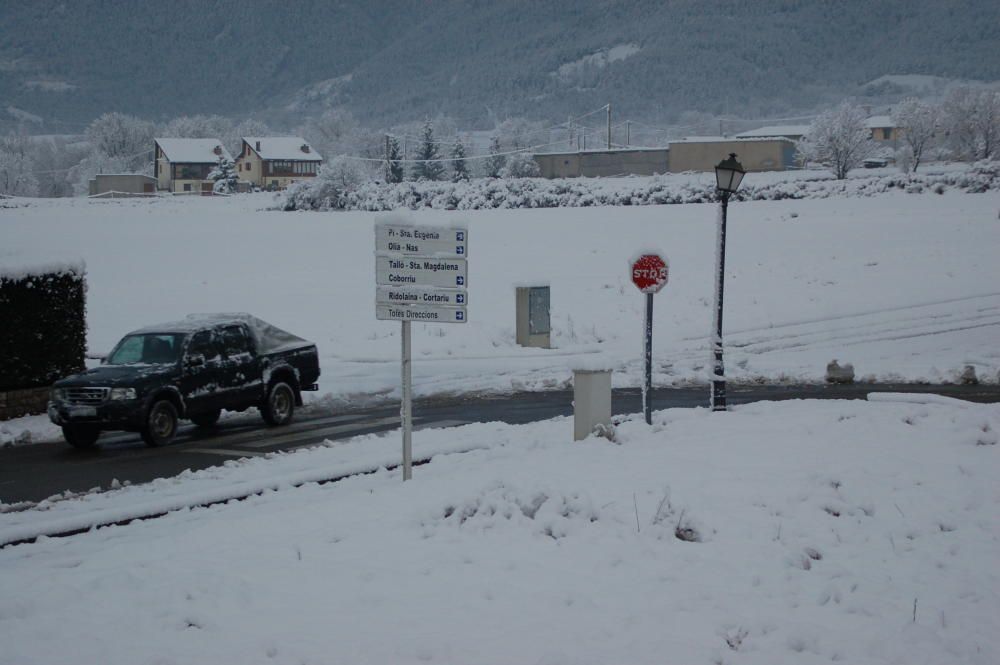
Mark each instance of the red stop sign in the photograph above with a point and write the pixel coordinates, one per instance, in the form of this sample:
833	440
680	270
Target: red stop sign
649	273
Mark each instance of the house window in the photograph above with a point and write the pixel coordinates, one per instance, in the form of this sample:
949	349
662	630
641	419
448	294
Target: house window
187	187
886	133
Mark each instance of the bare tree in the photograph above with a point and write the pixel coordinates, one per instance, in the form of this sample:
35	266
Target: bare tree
333	133
520	165
16	176
233	140
839	139
53	161
918	124
972	121
122	137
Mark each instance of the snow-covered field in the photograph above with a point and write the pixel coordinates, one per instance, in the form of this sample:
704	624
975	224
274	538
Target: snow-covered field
792	532
904	286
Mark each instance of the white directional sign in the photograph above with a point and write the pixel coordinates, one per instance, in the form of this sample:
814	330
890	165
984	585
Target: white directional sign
395	270
420	313
420	275
416	295
421	240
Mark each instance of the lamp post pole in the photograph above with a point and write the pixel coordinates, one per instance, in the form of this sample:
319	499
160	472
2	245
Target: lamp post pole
728	176
718	369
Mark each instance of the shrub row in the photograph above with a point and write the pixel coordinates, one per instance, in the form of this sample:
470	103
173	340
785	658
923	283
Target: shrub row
491	193
43	328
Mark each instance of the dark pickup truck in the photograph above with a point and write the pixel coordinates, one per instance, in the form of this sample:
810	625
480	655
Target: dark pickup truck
191	369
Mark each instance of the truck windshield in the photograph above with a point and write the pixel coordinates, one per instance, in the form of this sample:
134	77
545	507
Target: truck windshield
148	349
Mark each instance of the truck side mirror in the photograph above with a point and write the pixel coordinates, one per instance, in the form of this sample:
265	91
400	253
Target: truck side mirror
195	361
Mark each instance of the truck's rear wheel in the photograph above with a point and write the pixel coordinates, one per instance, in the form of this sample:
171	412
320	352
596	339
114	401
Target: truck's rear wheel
81	436
279	405
207	419
161	424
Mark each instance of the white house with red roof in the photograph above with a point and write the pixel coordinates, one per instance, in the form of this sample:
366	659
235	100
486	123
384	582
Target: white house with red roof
275	162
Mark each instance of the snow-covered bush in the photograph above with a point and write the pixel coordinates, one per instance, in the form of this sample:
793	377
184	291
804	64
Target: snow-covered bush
329	191
521	165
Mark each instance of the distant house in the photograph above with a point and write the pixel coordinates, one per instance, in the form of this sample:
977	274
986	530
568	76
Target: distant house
603	163
702	153
275	162
884	130
119	185
183	165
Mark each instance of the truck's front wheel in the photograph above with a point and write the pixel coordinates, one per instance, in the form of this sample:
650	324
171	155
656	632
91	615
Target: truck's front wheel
161	424
81	436
279	405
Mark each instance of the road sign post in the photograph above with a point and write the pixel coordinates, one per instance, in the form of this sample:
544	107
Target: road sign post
421	275
649	274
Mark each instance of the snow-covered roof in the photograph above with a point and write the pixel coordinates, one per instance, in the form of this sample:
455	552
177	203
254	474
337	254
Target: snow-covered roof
590	151
283	147
728	139
786	131
192	151
879	121
269	337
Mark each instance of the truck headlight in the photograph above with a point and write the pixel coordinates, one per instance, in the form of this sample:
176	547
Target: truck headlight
57	394
122	393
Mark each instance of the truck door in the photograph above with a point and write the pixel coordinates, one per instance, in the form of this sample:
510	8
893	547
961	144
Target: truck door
201	371
242	372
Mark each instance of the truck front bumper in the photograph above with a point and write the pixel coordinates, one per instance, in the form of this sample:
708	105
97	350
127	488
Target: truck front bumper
124	415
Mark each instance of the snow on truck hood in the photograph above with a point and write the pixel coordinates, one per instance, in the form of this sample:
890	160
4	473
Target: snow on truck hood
269	338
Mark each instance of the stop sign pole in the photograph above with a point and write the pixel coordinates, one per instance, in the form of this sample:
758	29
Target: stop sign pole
649	274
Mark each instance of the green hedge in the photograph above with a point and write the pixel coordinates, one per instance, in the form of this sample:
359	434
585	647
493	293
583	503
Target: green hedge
43	325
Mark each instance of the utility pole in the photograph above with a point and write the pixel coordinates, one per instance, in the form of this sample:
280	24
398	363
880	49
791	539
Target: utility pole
609	125
569	124
628	132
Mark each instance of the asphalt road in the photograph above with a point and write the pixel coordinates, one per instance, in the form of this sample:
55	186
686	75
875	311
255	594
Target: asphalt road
35	472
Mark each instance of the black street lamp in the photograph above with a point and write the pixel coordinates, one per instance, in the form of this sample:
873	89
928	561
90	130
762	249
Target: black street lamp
728	176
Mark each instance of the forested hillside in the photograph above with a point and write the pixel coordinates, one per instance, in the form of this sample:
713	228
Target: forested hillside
389	61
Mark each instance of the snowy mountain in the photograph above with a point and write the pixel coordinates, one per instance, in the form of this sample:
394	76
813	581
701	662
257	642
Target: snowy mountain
63	63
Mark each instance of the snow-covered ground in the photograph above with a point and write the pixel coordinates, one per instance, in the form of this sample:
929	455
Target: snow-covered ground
792	532
904	286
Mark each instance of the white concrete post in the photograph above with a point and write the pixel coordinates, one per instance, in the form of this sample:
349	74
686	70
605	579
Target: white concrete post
591	401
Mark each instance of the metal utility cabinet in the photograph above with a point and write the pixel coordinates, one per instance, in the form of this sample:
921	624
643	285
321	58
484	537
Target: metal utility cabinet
533	320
